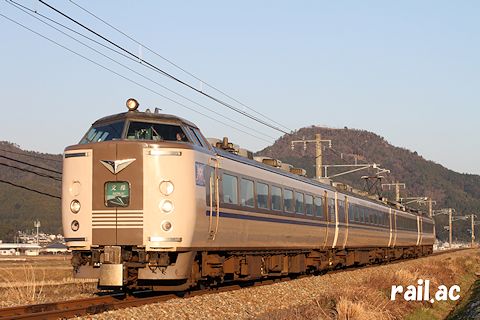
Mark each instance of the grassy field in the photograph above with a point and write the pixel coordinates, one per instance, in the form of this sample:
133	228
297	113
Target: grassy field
365	294
27	280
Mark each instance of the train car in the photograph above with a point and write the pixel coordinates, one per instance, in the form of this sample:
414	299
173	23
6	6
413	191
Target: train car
148	202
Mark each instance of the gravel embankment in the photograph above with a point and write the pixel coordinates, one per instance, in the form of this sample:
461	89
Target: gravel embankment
348	293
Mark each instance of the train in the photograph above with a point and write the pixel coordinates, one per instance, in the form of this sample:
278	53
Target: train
149	203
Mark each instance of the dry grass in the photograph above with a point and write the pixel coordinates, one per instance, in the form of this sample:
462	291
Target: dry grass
31	290
365	294
40	280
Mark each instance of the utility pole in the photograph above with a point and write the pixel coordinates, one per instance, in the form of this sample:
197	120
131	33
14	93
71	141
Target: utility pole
473	231
318	156
397	186
318	152
36	224
450	212
450	227
430	211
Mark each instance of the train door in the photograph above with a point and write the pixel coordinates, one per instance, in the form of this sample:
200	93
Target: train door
347	219
394	225
326	242
419	230
336	221
390	225
213	200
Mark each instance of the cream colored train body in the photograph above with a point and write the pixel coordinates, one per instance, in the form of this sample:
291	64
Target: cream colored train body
149	203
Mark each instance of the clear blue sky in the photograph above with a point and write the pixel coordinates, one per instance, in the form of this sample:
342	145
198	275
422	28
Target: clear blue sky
407	70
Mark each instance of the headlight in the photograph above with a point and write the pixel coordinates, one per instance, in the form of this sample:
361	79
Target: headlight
166	206
75	206
166	225
166	187
75	225
132	104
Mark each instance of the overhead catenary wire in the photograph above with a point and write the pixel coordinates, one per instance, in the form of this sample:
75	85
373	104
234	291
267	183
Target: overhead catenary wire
29	164
30	189
128	79
174	64
29	11
143	61
31	171
31	155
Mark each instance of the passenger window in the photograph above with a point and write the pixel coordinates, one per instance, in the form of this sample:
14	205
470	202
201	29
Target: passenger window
288	200
299	203
331	210
309	205
351	213
276	198
246	193
341	210
318	207
230	189
262	195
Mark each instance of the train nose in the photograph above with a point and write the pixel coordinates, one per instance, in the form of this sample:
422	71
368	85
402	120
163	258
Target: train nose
117	195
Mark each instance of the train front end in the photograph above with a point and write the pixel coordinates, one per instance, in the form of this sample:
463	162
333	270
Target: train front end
125	201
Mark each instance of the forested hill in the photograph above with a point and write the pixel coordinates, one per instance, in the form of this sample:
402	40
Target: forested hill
20	207
422	177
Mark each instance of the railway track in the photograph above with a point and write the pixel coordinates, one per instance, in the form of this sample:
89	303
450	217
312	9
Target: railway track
88	306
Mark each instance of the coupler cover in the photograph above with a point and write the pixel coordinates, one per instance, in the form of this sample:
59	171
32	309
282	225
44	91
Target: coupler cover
111	275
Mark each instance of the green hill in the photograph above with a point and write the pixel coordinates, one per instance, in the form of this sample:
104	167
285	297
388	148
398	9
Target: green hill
422	177
20	207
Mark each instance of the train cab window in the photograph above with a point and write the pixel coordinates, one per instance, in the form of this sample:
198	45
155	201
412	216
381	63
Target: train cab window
246	193
276	198
194	137
308	205
230	189
318	207
262	195
299	203
288	200
156	131
197	135
103	133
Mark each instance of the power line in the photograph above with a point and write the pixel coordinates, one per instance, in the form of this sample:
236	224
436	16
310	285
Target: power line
164	72
30	155
26	9
30	171
128	79
29	189
29	164
174	64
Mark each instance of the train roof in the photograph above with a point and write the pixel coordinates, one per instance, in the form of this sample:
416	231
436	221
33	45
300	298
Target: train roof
148	116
